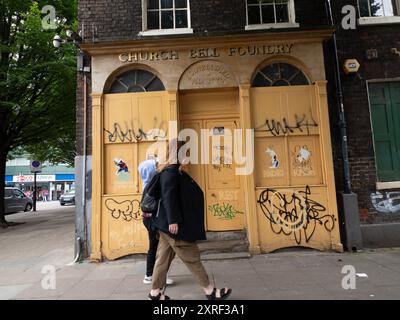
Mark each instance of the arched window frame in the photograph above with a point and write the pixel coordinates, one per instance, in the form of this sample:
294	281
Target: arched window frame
288	81
144	85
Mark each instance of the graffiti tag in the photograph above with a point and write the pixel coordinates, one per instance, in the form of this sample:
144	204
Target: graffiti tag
386	203
224	211
130	134
127	210
277	128
294	213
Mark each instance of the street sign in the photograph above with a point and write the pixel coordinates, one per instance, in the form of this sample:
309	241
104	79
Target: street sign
36	166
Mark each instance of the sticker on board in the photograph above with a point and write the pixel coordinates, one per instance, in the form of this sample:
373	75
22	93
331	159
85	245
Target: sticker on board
122	170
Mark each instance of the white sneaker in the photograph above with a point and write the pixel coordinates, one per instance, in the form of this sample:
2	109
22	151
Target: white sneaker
147	280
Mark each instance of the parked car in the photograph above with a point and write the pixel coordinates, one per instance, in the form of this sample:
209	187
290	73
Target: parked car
68	197
15	201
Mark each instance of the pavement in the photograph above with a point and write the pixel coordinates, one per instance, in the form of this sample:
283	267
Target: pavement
36	256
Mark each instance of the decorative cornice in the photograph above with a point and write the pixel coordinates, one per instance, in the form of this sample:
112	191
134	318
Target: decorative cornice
116	47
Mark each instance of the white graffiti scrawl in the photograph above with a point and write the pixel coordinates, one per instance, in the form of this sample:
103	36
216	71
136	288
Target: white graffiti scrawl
389	202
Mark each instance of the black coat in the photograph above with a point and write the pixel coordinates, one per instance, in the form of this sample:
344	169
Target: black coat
182	202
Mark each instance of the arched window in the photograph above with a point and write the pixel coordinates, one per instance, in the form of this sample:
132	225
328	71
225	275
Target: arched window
136	81
279	74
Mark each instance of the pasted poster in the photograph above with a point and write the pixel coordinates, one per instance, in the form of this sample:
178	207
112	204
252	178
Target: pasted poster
274	164
302	161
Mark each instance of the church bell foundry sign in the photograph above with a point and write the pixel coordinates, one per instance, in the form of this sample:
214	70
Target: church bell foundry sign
207	73
202	53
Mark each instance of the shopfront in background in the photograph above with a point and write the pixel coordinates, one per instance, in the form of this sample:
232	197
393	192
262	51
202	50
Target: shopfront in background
274	85
51	186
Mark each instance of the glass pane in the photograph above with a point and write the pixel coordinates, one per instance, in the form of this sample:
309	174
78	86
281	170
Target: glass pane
136	88
280	83
299	80
376	8
153	20
181	19
253	1
364	10
8	193
117	87
155	85
165	4
388	8
272	71
287	70
254	15
143	77
167	19
268	15
152	4
260	81
282	13
180	3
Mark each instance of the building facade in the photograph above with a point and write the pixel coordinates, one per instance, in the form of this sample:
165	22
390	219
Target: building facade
372	106
217	66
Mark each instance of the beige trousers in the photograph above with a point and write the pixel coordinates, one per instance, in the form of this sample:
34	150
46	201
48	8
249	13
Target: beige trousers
188	252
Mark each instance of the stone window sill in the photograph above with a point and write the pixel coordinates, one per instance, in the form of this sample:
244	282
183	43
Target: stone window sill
272	26
378	20
388	185
164	32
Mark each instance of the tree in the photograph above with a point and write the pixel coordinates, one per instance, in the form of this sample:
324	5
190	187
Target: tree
37	82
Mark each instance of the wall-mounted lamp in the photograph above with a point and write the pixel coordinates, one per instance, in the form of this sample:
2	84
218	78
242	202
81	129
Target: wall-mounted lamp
72	37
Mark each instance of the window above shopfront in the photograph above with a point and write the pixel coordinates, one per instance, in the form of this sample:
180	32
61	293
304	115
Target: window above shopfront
379	11
136	81
162	17
279	75
267	14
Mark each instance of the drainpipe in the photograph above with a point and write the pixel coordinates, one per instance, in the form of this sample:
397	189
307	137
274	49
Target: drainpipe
339	92
81	240
350	230
85	88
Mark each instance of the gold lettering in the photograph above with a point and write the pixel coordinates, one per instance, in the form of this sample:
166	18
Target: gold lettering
241	51
193	54
153	56
143	56
133	57
202	53
123	57
289	47
214	53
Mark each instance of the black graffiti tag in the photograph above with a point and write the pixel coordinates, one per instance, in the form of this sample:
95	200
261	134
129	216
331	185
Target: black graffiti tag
130	134
294	213
277	128
128	210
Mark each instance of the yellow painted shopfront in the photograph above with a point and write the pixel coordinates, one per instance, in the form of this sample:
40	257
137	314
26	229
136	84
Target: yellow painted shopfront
271	86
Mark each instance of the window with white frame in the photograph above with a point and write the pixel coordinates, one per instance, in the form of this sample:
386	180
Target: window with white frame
379	8
166	14
270	13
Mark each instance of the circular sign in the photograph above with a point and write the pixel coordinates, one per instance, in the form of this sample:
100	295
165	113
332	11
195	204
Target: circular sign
36	164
